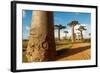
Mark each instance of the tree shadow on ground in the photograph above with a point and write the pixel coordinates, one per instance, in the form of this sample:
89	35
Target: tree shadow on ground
65	52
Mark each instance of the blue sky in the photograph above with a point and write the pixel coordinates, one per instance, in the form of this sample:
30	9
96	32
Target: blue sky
65	17
59	18
26	22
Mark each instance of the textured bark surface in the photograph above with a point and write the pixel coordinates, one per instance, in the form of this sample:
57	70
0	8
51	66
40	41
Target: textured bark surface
41	45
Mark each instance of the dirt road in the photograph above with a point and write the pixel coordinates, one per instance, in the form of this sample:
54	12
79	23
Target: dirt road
78	51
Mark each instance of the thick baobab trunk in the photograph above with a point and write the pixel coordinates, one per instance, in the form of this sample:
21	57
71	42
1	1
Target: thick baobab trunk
81	35
73	35
58	34
41	45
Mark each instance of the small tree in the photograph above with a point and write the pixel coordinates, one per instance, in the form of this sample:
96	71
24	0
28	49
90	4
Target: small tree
59	27
66	32
89	34
89	37
81	29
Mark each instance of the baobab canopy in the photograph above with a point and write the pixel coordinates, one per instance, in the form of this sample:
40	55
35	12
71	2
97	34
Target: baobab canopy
82	28
74	22
59	26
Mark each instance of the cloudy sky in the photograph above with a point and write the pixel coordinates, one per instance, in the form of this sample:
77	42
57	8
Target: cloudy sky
62	18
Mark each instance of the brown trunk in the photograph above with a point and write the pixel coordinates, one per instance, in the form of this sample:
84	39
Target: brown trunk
41	45
81	36
58	33
65	35
73	35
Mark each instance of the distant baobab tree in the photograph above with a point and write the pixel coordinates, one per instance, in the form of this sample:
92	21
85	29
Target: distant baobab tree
89	34
81	29
59	27
66	32
72	24
78	35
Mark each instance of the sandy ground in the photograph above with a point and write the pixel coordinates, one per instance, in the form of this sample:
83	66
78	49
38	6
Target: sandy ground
78	51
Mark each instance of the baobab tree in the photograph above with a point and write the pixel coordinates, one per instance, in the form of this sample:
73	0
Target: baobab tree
72	24
78	35
59	27
41	45
66	32
81	29
89	34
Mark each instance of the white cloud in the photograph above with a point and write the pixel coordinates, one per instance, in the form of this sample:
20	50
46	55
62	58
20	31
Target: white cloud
27	28
24	13
85	33
25	35
26	32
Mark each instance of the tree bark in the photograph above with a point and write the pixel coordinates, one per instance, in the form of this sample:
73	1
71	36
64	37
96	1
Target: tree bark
58	33
81	35
41	45
73	35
